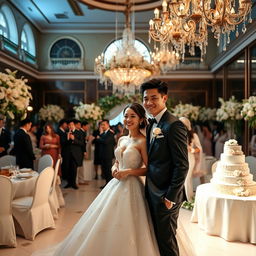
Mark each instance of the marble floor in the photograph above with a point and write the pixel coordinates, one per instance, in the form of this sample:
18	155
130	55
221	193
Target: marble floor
194	241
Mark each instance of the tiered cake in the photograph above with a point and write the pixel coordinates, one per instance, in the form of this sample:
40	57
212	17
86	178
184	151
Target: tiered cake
232	174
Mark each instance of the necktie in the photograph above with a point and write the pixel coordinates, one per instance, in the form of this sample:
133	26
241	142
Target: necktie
152	121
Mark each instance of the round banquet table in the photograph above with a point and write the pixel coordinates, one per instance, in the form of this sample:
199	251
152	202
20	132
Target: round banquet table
24	186
230	217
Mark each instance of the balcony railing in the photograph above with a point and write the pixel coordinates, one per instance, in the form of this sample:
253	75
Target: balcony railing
66	64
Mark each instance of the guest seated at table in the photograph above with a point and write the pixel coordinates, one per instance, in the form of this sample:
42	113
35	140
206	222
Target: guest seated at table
23	149
50	143
195	158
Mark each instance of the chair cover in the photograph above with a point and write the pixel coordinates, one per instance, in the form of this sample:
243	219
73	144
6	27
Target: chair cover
44	161
7	230
53	199
7	160
33	214
251	160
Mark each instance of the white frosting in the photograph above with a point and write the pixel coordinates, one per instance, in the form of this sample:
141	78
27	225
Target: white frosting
232	159
247	180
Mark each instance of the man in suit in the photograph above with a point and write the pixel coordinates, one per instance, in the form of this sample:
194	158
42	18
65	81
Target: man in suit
73	154
84	128
167	166
61	131
5	137
106	142
23	149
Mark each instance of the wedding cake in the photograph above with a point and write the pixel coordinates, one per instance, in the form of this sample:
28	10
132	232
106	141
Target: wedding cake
232	174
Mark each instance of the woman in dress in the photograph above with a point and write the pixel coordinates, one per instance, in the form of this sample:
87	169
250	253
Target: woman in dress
50	143
195	158
118	221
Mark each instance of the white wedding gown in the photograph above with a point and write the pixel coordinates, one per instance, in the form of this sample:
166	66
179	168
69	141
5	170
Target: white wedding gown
116	223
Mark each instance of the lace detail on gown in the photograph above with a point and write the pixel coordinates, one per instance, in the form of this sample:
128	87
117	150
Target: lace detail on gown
117	222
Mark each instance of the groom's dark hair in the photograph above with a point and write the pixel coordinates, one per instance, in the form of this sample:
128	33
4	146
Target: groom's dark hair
161	86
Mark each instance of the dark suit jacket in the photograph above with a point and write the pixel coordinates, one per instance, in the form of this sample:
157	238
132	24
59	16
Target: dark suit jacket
167	159
75	147
63	141
23	149
84	134
5	140
107	144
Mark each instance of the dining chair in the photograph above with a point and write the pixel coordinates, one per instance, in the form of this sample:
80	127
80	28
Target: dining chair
32	214
251	160
44	161
214	166
7	229
7	160
53	199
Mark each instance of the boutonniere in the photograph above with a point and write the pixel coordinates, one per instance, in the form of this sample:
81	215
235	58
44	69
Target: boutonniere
157	133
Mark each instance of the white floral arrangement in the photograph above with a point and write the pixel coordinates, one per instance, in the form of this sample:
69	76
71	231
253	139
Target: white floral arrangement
90	112
249	111
207	114
229	110
14	95
187	110
51	113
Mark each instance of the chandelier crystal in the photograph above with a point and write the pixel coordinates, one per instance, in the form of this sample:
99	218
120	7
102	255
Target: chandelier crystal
127	69
166	59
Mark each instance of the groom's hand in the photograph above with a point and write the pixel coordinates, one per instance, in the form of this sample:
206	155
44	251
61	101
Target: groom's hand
168	203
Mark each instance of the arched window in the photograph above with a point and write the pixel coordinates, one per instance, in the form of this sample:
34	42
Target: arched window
66	54
3	26
28	40
112	47
8	26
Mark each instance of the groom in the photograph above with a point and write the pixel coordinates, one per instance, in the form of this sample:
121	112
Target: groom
167	165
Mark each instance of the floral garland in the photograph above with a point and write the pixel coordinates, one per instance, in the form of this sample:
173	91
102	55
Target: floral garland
207	114
89	112
249	111
109	102
14	95
51	113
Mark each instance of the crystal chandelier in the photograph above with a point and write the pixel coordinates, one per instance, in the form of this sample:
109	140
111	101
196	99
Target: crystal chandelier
181	26
127	69
166	59
195	16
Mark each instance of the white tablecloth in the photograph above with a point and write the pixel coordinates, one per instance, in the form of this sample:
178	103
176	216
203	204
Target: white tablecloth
24	187
230	217
86	172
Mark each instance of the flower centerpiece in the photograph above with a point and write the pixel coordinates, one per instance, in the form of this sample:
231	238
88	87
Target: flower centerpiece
186	110
51	113
249	111
207	114
14	95
89	112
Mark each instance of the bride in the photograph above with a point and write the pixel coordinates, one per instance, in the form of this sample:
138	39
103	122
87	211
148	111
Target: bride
118	221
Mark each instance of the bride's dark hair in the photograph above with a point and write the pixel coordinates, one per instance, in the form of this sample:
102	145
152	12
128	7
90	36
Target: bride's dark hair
140	111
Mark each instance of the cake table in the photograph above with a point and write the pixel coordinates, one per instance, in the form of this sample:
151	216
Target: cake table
230	217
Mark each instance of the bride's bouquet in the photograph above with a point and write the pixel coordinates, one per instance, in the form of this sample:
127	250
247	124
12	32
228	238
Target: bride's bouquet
249	111
51	113
14	95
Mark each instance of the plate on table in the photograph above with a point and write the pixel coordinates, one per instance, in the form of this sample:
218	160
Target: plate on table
25	170
24	175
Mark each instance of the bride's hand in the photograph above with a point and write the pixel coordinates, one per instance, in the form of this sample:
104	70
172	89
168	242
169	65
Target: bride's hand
121	174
